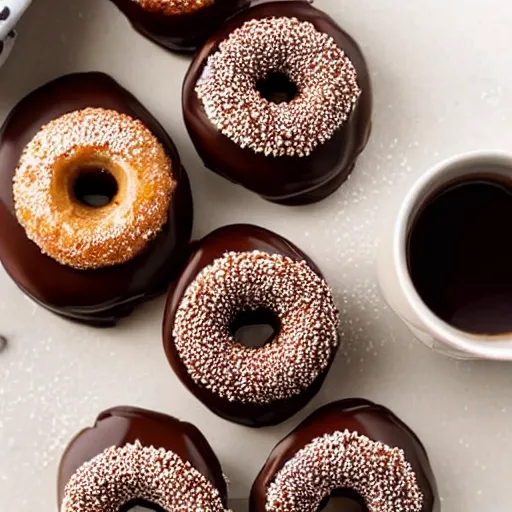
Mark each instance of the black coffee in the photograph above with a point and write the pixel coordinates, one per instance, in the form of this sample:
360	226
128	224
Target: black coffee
460	255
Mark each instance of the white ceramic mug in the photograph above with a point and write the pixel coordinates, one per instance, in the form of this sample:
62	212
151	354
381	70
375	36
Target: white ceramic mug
394	277
10	13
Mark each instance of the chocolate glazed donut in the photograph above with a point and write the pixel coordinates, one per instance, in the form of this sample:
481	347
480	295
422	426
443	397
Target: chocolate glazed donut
182	31
364	418
101	296
123	426
241	239
289	180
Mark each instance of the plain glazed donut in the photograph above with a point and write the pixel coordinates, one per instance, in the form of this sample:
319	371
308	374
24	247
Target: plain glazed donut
279	101
118	127
235	273
136	457
353	449
178	25
78	235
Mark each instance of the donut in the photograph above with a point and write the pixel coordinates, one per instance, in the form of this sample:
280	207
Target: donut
95	207
239	276
135	457
352	449
73	148
279	101
178	25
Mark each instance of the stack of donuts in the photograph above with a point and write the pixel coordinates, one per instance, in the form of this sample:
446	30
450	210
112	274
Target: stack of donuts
96	217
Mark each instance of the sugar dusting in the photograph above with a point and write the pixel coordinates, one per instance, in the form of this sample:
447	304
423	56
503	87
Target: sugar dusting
47	393
352	222
77	237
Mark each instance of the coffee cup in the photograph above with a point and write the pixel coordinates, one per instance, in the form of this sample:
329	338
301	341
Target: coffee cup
444	265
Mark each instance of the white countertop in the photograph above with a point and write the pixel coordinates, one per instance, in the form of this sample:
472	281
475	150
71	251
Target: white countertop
442	84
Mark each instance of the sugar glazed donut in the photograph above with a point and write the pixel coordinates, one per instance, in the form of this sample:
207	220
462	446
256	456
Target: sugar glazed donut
239	276
178	25
279	101
97	209
136	457
353	449
73	147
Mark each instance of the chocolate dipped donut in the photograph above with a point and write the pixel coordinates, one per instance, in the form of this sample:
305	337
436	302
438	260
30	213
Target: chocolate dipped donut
136	457
239	276
95	207
178	25
353	449
279	101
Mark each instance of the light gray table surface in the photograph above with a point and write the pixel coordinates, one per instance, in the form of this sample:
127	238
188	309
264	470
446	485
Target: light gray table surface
442	84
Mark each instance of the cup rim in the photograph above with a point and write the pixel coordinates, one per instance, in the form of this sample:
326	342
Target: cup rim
497	347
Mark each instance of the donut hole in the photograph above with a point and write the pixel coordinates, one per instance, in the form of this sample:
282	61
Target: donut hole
94	186
255	328
140	505
277	87
349	501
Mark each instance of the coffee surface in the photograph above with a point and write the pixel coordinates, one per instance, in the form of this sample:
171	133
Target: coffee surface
460	255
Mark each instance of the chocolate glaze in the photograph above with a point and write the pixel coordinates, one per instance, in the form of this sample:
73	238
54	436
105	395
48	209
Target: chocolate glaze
97	297
285	180
125	425
180	32
239	238
356	415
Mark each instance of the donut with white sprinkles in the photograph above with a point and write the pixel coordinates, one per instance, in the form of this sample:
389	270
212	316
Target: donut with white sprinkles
137	457
279	100
243	275
353	449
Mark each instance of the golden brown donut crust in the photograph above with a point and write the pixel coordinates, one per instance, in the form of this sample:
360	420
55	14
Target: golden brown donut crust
73	233
174	7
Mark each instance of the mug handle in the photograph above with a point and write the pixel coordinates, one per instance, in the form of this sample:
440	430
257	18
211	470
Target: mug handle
10	13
